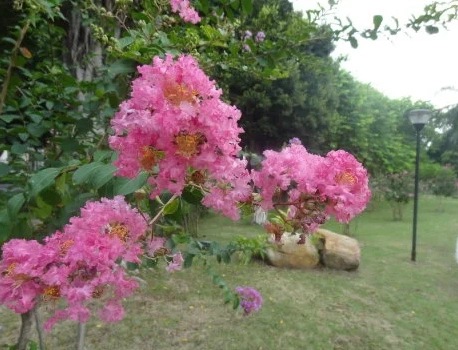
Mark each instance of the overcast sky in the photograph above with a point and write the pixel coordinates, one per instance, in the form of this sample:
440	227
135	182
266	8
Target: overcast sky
418	65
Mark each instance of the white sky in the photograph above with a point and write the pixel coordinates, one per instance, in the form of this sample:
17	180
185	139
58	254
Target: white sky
416	65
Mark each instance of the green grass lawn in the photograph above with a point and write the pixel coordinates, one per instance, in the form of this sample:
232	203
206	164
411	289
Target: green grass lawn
388	303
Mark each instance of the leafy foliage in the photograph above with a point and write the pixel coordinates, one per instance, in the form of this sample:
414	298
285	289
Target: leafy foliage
445	182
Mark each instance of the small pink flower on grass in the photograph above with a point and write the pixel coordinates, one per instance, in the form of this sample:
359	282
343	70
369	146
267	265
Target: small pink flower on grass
251	299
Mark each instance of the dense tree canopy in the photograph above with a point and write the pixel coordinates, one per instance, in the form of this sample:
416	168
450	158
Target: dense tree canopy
66	67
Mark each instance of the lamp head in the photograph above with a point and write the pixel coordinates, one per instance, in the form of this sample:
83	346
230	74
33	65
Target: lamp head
419	117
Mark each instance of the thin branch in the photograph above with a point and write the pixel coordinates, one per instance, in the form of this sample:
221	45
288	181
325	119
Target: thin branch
158	215
9	71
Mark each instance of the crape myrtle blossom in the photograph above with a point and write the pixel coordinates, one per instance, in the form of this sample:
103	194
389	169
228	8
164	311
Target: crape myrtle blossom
79	264
20	269
292	167
176	263
251	299
313	187
185	11
86	259
176	128
345	183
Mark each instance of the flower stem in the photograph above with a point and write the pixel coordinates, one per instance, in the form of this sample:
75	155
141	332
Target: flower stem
80	336
39	327
26	330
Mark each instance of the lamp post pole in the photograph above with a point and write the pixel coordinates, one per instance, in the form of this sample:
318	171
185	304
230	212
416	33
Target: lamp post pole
415	198
418	118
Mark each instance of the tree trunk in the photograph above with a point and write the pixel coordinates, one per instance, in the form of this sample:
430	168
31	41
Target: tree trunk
26	330
85	53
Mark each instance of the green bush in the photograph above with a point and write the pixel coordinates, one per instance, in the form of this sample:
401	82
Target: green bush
445	182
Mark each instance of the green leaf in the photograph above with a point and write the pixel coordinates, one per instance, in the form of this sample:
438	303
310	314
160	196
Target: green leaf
18	148
353	42
226	257
204	6
229	13
131	185
8	118
235	4
121	67
132	266
69	145
43	210
172	206
125	41
217	280
51	196
33	345
36	130
377	20
228	296
188	257
23	136
4	169
36	118
192	195
84	125
22	229
5	224
235	302
247	6
214	248
87	172
101	155
49	104
432	29
103	175
42	180
14	205
61	183
73	207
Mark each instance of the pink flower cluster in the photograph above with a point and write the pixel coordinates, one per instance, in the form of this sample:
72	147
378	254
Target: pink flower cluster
20	270
176	128
84	259
79	264
312	186
185	10
345	184
251	300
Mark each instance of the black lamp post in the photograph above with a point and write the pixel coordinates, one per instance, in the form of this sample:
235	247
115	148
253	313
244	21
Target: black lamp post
418	118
